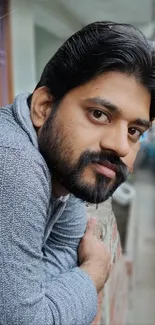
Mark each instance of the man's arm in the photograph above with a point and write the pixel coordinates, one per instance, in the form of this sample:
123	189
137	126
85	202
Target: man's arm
61	248
24	196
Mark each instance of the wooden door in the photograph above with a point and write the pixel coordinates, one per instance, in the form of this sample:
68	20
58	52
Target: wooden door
5	55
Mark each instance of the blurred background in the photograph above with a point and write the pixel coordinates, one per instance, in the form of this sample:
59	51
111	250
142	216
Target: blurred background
30	33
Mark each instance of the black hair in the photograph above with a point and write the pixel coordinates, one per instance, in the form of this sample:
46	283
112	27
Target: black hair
97	48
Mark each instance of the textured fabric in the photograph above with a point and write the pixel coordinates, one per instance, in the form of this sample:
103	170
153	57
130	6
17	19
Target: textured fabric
40	283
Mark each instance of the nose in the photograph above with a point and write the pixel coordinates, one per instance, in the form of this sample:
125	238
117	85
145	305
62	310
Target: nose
116	139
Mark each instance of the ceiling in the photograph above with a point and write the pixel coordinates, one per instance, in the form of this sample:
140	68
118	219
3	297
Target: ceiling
130	11
64	17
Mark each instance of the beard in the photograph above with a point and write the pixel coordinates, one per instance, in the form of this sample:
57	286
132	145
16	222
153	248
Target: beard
57	147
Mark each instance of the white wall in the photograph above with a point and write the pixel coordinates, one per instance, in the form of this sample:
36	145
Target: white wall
23	46
35	38
46	44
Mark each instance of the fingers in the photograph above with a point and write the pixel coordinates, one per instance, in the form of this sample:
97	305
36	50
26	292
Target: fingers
91	226
97	231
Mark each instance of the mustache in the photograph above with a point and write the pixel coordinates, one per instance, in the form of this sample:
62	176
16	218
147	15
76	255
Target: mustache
106	156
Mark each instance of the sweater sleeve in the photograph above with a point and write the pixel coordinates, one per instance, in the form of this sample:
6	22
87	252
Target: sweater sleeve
69	299
61	247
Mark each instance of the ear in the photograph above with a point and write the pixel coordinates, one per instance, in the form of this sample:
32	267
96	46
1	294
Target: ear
41	106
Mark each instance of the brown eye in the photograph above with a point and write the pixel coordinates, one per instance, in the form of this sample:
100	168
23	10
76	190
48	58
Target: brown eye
135	133
99	115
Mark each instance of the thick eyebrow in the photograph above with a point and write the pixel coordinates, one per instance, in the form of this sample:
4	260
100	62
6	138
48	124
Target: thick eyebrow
143	123
115	109
105	103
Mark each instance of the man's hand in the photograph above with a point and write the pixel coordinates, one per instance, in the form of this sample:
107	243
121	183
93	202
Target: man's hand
94	257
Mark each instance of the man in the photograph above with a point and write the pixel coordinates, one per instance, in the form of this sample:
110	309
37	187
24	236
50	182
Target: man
73	140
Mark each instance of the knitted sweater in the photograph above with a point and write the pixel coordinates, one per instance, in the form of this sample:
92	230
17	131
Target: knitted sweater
40	281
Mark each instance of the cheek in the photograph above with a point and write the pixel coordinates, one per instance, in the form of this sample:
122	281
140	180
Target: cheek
82	135
131	157
79	136
71	142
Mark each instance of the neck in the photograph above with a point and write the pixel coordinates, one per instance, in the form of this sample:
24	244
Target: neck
58	189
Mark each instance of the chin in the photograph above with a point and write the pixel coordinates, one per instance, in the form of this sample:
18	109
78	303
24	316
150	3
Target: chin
91	194
96	189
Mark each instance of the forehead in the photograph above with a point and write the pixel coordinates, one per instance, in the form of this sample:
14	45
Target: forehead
124	91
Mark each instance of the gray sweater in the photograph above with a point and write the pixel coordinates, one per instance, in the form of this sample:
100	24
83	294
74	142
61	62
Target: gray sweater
40	282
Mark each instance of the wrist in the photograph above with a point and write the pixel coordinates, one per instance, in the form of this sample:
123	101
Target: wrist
94	270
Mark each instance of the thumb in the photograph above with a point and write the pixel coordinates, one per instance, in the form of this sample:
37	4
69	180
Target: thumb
91	226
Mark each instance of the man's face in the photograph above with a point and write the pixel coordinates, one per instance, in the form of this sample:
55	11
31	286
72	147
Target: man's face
91	140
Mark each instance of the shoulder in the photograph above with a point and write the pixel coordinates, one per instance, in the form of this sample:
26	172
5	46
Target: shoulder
18	154
11	134
16	142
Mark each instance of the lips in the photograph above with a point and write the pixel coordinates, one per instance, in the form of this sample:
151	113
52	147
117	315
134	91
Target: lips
107	169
